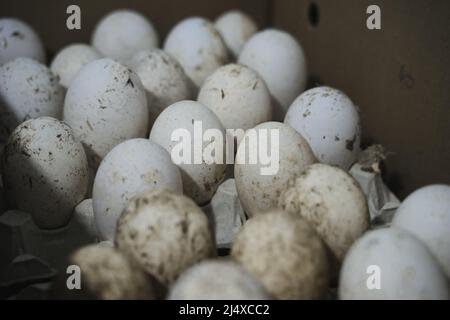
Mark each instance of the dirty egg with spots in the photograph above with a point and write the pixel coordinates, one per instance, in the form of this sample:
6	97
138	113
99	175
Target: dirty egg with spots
106	105
198	47
18	39
285	254
329	121
28	89
45	171
391	264
165	233
129	169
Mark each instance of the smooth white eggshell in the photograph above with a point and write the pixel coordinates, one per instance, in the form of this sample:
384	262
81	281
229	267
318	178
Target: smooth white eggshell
70	59
332	201
238	96
406	268
217	280
106	105
163	79
18	39
129	169
198	47
122	33
200	181
28	89
279	59
165	233
329	121
45	171
236	28
426	214
285	254
258	192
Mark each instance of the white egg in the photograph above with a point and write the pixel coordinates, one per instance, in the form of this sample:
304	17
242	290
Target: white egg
391	264
131	168
163	79
198	47
70	59
217	280
330	122
332	201
259	192
200	179
285	254
426	214
28	89
45	171
238	96
18	39
236	28
165	233
106	105
279	59
122	33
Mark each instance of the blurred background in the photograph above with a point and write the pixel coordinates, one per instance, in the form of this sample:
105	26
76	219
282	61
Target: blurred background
399	76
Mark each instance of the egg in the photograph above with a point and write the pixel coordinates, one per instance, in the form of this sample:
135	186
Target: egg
238	96
45	171
285	254
70	59
236	28
426	214
18	39
129	169
260	192
105	105
28	89
106	274
163	79
202	282
200	179
122	33
165	233
332	201
279	59
391	264
198	47
329	121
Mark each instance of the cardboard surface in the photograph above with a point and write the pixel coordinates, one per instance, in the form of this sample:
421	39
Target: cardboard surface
399	75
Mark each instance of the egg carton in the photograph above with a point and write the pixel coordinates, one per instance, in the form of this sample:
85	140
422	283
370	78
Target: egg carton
226	214
20	236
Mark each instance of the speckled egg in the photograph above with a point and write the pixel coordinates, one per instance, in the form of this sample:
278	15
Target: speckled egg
163	79
129	169
106	105
165	233
391	264
285	254
122	33
70	59
236	28
105	274
200	178
426	214
279	59
329	121
28	90
198	47
332	202
45	171
217	280
238	96
18	39
258	190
